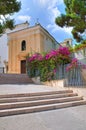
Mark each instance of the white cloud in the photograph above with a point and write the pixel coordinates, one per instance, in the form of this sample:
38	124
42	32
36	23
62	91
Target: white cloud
68	29
3	18
55	28
48	3
41	3
24	18
53	12
51	8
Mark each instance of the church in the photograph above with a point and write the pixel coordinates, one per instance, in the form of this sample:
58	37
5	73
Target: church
26	41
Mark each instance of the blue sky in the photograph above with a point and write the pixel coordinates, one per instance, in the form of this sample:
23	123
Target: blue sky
46	11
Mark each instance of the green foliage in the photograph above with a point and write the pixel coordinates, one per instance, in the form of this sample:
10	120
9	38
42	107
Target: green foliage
75	17
78	47
43	68
8	8
84	42
46	68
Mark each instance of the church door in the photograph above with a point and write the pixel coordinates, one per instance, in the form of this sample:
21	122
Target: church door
23	66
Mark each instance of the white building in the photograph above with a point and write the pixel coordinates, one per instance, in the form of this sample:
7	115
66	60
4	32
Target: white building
81	55
67	42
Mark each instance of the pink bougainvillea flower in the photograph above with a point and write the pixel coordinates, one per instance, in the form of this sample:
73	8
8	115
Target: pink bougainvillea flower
51	54
40	58
74	64
64	51
74	60
55	70
36	56
69	67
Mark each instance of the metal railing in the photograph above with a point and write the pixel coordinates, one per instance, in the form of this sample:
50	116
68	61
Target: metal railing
71	78
74	78
60	71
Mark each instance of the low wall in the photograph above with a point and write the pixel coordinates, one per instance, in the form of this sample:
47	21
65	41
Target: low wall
36	80
54	83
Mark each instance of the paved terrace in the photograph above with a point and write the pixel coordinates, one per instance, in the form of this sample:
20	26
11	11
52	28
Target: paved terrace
27	88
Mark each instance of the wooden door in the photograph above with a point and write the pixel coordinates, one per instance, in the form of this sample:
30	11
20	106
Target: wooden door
23	66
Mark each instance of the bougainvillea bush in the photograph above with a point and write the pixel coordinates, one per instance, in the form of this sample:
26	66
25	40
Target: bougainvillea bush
45	65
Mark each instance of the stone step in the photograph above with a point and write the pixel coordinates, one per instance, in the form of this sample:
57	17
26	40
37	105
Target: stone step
22	99
38	102
15	79
24	110
35	94
13	104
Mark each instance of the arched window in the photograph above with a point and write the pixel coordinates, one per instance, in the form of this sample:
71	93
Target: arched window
23	45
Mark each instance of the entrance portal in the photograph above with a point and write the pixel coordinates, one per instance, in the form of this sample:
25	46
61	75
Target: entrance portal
23	66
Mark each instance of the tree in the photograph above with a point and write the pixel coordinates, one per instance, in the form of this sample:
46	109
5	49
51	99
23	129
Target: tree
8	8
75	17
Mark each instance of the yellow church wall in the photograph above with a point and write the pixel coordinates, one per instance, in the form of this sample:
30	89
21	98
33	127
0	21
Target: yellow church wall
15	53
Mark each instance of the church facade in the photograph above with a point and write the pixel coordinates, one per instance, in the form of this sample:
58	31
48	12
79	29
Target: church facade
26	41
4	46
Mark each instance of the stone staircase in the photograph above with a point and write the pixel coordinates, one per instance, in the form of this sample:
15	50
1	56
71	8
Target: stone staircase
14	104
14	79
